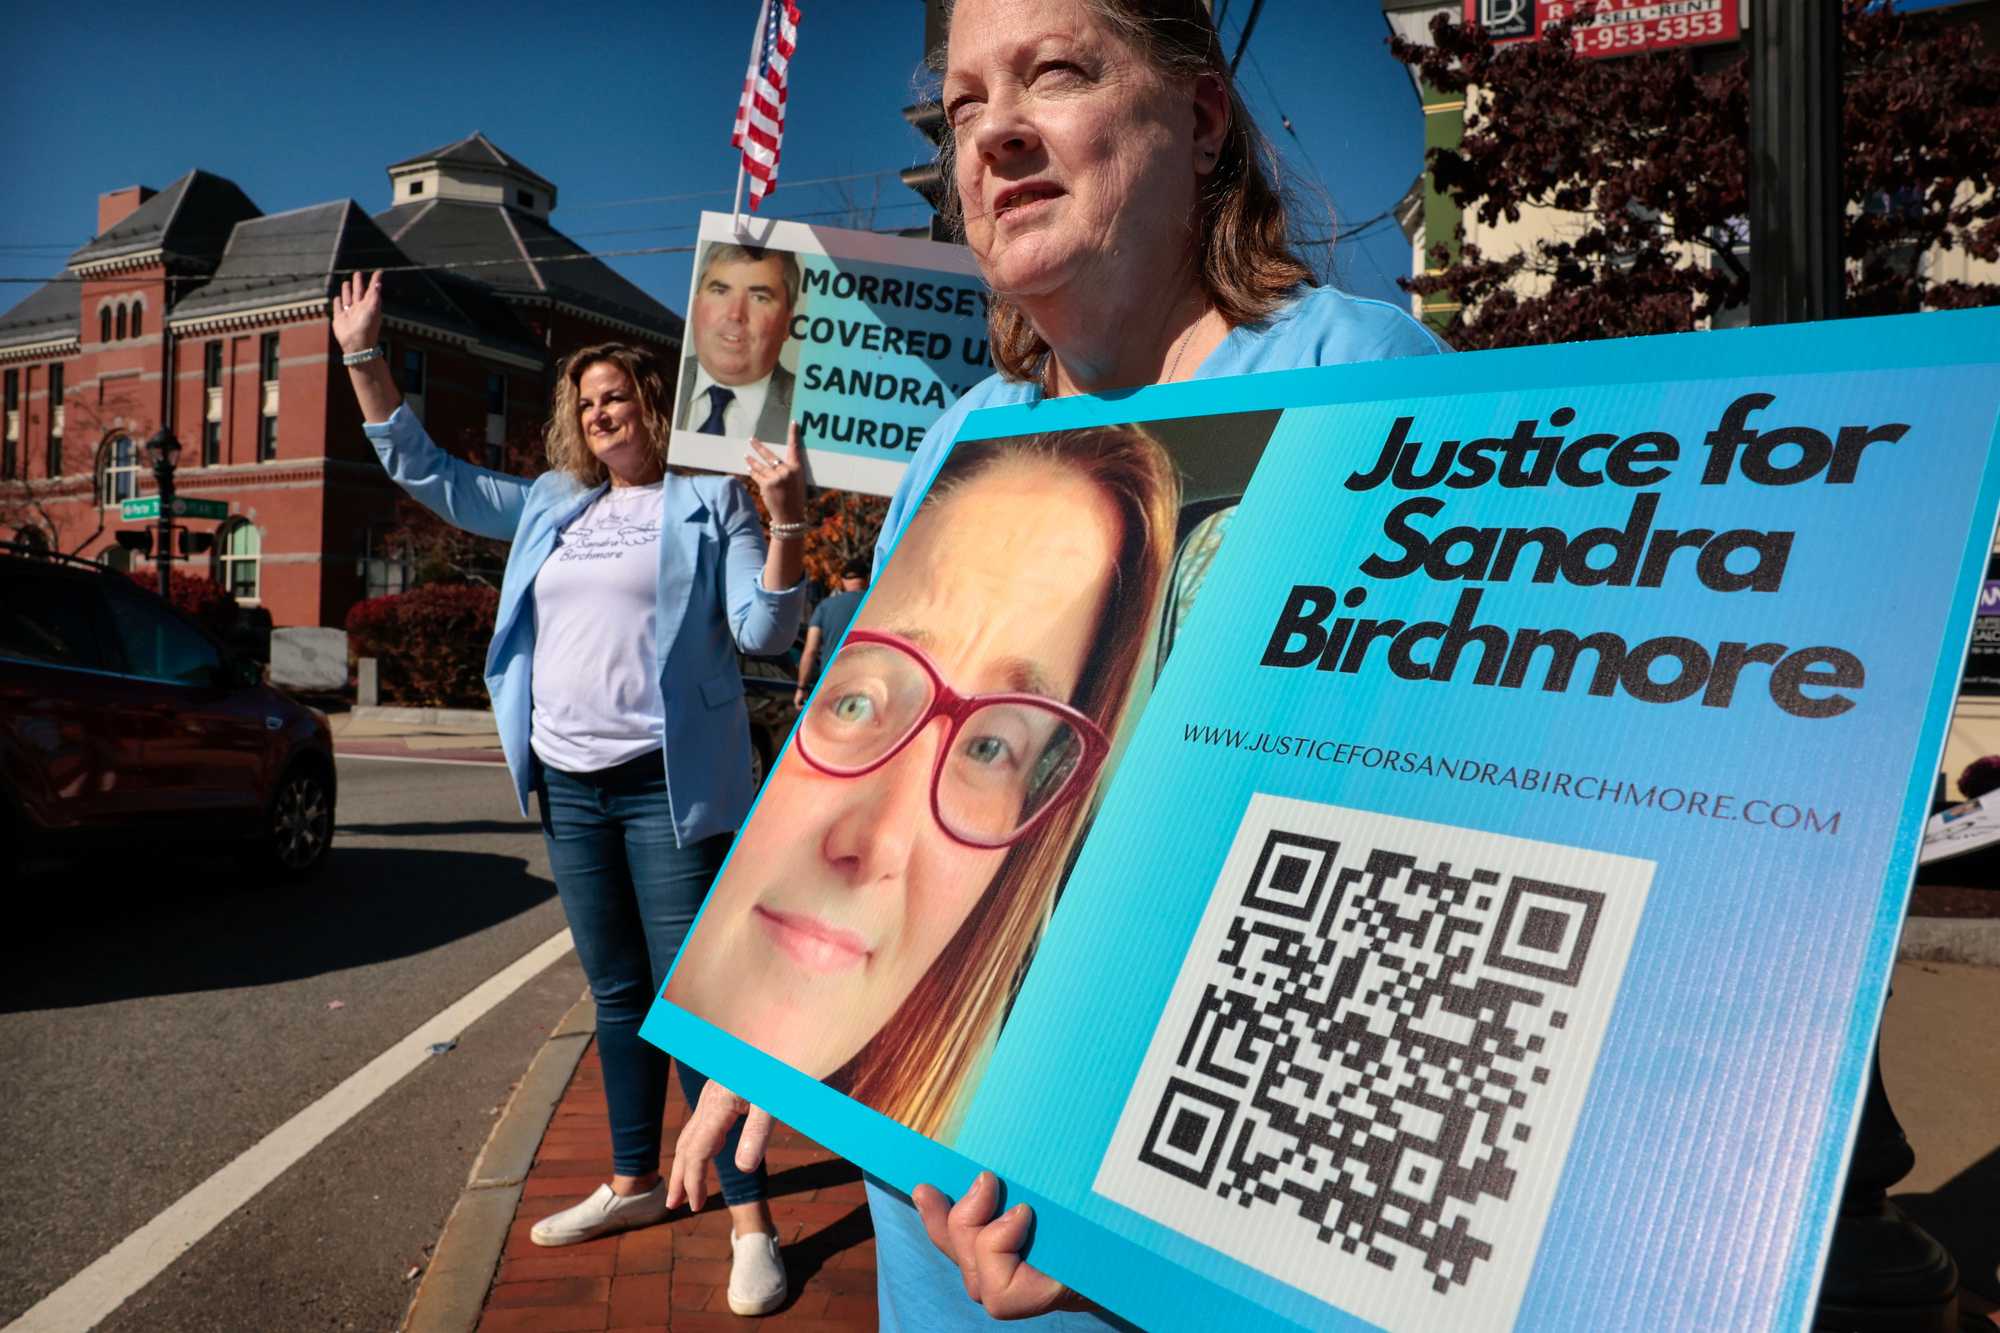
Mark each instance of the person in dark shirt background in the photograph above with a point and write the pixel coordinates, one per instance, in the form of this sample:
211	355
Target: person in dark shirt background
829	621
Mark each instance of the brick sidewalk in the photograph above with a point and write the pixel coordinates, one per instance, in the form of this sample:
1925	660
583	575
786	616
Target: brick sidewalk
676	1275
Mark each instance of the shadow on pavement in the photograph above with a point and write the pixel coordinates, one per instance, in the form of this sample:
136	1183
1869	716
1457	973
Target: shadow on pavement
805	1256
1961	1215
152	926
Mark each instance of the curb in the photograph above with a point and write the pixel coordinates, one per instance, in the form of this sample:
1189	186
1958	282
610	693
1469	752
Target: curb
429	717
453	1291
1942	939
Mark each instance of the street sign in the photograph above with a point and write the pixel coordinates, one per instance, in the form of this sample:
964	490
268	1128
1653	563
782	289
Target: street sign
148	506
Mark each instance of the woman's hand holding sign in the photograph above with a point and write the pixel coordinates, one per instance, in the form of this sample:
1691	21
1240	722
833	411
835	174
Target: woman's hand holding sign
781	481
987	1250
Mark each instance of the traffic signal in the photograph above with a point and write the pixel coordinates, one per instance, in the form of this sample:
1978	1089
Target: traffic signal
928	118
928	179
139	541
195	543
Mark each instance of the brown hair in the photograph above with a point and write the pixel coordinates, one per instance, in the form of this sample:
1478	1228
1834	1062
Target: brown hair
564	437
916	1069
1244	254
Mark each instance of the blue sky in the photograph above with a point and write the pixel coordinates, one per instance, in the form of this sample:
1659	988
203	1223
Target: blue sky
625	106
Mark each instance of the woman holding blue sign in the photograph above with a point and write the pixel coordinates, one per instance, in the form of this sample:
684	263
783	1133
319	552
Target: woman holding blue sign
1123	208
618	697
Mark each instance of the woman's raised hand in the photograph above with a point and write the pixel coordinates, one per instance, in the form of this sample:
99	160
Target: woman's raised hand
987	1251
780	478
357	312
702	1137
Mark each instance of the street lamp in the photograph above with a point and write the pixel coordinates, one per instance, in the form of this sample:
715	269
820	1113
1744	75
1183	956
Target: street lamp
163	451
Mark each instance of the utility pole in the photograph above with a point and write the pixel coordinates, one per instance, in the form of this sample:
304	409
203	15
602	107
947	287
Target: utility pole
1796	201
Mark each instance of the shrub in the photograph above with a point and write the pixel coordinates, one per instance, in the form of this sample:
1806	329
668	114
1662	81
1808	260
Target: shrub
430	642
205	600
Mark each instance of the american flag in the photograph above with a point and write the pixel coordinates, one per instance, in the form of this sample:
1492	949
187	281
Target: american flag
760	112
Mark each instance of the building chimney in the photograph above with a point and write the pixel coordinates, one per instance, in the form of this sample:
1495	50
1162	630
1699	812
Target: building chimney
114	206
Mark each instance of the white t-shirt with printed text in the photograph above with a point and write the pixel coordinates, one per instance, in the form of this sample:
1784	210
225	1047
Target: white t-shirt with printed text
596	678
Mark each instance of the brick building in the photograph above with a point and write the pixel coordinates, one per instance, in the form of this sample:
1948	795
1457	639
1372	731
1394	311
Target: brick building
193	309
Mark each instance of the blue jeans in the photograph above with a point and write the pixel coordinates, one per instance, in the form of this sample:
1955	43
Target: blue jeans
630	892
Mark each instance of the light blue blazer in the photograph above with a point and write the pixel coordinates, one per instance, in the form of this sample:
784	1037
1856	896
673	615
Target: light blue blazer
712	601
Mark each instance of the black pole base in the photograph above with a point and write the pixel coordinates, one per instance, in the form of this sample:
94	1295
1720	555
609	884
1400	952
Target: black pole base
1884	1273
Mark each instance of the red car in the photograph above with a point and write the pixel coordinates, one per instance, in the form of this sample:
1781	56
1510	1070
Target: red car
121	719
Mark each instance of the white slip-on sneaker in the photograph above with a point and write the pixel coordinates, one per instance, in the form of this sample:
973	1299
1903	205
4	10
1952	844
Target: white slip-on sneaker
756	1274
601	1214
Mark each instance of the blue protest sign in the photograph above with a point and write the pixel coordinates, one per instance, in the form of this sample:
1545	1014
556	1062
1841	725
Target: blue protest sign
1409	846
862	339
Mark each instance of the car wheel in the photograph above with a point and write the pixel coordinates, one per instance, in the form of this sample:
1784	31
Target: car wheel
299	829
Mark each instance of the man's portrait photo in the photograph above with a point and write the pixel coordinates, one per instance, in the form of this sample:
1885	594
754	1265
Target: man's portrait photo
731	383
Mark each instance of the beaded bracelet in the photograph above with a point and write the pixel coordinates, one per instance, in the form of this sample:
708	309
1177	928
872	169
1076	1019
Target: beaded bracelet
782	531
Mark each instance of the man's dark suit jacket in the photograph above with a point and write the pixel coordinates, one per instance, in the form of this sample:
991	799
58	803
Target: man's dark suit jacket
772	422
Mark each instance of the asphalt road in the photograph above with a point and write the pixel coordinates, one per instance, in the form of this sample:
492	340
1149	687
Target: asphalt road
158	1019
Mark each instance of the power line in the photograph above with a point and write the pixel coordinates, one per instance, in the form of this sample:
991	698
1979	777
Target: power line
1243	41
1352	232
709	194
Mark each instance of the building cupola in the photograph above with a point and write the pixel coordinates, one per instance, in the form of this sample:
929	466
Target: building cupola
472	170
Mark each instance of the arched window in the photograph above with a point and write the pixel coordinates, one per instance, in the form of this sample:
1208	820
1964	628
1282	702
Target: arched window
138	318
121	322
104	324
237	548
119	466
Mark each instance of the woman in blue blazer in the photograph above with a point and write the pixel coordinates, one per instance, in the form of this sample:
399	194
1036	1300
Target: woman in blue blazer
616	689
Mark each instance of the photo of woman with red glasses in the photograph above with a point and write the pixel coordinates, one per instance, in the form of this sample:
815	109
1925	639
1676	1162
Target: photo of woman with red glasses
886	897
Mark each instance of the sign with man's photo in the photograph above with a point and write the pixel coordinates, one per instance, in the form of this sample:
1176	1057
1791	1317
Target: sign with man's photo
1383	846
863	339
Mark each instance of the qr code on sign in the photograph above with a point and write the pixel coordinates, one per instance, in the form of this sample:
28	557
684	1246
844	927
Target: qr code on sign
1369	1071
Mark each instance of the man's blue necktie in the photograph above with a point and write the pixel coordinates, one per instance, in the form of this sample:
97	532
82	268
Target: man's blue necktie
718	398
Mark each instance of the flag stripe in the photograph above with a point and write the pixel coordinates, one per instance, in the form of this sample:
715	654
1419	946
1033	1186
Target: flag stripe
759	129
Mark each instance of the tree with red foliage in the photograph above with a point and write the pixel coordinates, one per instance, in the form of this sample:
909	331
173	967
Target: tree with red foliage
1647	157
844	527
201	599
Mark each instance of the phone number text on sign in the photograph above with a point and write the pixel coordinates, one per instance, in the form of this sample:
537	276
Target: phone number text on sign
1627	29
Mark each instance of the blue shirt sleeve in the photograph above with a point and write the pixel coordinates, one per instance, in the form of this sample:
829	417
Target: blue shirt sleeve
480	501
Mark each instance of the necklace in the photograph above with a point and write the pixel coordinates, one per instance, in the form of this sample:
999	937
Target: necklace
1179	347
1048	372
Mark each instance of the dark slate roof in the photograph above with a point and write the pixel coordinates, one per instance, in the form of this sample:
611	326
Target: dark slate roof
52	310
499	322
191	218
304	254
475	149
520	255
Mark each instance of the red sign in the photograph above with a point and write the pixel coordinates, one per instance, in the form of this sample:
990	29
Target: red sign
1619	27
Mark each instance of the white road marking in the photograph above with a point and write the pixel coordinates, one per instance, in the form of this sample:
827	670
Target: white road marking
413	759
88	1298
